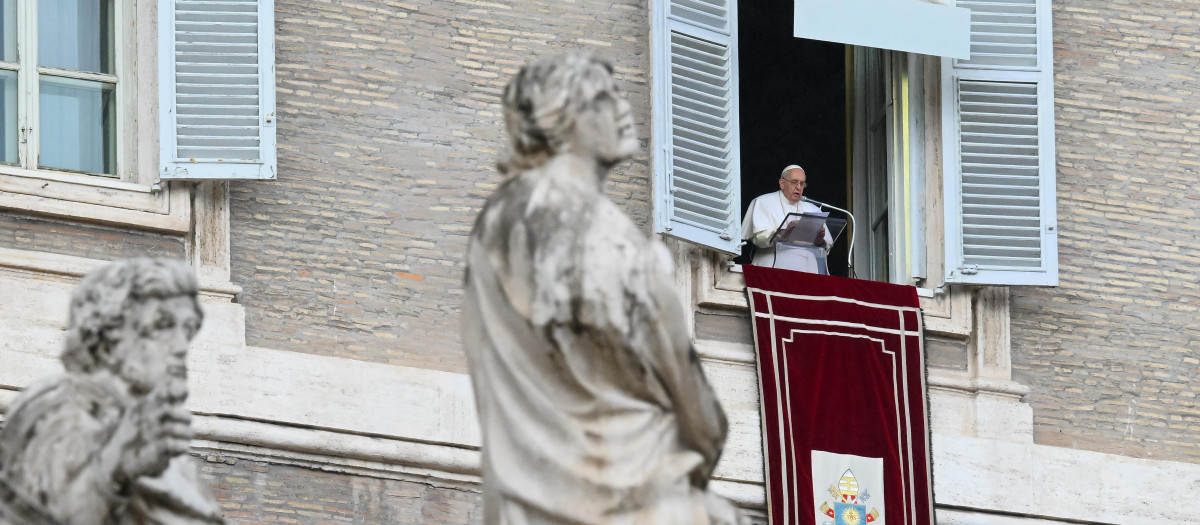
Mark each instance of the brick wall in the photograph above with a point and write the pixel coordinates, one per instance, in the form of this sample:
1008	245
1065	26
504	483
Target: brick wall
1113	353
23	232
389	130
255	492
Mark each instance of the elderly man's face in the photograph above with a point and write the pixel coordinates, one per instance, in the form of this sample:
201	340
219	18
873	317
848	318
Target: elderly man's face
792	185
605	129
153	350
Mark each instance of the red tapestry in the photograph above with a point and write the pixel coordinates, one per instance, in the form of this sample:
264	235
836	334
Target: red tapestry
841	373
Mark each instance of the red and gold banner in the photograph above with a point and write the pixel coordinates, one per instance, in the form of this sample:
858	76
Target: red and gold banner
841	369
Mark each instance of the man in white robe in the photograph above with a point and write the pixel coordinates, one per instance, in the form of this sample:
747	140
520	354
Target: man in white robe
767	211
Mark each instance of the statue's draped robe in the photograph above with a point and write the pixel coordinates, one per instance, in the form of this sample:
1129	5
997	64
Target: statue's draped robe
52	442
593	405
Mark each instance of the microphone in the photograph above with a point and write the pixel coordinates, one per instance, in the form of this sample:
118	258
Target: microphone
815	201
853	229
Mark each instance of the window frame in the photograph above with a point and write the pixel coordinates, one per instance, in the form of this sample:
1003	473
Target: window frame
929	244
124	79
905	118
135	198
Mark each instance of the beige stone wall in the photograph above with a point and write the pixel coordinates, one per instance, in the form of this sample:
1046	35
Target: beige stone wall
1113	354
389	131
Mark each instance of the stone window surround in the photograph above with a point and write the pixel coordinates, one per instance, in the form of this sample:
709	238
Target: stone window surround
136	201
975	315
198	211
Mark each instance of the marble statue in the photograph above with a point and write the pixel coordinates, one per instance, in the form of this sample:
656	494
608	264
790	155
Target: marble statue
592	402
15	509
106	442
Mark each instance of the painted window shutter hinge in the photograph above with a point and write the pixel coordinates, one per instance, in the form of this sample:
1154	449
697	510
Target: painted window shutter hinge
175	171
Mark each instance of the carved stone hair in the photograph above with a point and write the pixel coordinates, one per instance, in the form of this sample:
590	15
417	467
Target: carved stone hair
106	295
542	102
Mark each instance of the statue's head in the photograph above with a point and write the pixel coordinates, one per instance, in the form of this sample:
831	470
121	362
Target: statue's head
135	318
568	103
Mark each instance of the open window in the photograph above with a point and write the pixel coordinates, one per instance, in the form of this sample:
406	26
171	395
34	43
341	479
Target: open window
89	91
67	88
887	165
741	90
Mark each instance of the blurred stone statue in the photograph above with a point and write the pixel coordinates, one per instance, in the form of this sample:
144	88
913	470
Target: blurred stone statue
106	442
592	402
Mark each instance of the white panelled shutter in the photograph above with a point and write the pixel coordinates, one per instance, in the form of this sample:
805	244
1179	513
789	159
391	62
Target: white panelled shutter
998	127
216	89
697	177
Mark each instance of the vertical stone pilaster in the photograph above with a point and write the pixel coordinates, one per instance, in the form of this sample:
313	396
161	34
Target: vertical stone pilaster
210	234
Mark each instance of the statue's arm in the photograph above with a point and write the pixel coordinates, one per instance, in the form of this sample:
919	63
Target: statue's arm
702	424
82	463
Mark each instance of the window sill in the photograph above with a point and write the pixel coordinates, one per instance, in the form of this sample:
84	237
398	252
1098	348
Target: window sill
95	199
947	314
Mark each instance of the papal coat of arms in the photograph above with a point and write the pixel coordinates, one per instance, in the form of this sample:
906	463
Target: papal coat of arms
849	503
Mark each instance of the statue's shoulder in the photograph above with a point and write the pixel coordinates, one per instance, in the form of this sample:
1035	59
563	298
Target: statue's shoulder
616	245
523	197
76	397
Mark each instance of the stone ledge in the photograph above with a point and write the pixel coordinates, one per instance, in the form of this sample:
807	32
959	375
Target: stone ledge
1040	482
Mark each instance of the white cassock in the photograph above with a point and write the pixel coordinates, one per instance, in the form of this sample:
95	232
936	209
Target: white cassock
763	218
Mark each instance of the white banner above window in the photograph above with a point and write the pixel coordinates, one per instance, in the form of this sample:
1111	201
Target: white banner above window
914	26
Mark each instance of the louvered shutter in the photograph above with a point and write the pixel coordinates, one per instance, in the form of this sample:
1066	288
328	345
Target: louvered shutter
998	127
697	177
217	89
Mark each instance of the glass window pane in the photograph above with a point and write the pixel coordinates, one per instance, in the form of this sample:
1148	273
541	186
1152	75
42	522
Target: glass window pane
8	117
79	125
76	34
8	30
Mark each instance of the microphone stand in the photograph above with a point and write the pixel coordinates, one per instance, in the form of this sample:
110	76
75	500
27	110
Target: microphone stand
853	232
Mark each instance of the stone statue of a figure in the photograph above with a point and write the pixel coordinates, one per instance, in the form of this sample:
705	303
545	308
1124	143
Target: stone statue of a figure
106	442
592	402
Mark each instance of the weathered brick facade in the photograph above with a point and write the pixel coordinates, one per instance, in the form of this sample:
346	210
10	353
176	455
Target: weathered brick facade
259	492
65	237
1112	353
256	492
389	131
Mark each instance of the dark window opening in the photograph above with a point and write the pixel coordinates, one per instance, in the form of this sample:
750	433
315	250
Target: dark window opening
793	110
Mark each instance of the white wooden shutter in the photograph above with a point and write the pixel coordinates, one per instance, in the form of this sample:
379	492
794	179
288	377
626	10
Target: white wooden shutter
998	128
216	89
697	177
